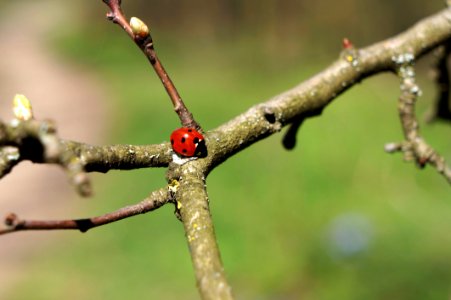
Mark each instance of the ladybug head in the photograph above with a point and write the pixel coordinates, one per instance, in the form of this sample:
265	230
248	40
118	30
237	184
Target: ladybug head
201	149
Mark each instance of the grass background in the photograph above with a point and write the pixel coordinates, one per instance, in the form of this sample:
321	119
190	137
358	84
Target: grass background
336	218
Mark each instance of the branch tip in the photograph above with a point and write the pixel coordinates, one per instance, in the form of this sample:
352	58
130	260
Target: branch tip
11	219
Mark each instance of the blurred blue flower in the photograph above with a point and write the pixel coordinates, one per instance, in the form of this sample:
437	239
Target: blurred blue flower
348	235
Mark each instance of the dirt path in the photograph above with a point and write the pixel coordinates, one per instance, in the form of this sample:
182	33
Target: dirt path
58	91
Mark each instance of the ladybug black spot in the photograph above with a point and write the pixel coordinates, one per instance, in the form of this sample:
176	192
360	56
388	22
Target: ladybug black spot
184	151
196	140
190	130
172	141
183	139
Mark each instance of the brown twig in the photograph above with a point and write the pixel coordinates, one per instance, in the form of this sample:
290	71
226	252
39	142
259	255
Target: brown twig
155	200
144	41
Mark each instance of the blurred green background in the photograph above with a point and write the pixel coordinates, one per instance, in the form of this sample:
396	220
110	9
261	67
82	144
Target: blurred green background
336	218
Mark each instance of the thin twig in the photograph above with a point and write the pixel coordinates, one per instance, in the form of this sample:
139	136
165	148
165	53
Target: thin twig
145	43
155	200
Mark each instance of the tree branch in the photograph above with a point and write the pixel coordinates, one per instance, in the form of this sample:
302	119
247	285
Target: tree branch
142	38
193	210
269	117
155	200
187	188
119	157
415	147
38	142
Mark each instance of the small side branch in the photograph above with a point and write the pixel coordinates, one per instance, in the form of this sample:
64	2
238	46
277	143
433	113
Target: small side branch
289	140
155	200
414	147
139	32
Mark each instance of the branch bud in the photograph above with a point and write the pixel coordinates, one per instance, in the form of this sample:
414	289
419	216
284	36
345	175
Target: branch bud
347	44
22	108
139	28
392	147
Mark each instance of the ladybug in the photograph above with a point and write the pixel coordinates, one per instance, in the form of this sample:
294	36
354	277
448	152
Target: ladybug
188	142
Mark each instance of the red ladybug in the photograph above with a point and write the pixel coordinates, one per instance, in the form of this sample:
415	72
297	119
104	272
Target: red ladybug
188	142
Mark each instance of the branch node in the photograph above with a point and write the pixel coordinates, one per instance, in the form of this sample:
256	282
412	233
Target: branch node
11	220
84	225
111	16
270	116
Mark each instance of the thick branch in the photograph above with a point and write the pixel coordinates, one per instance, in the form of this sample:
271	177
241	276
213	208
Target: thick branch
155	200
119	157
314	94
194	212
37	141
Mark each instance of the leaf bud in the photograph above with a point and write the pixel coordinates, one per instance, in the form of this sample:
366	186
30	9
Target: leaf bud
22	108
139	28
